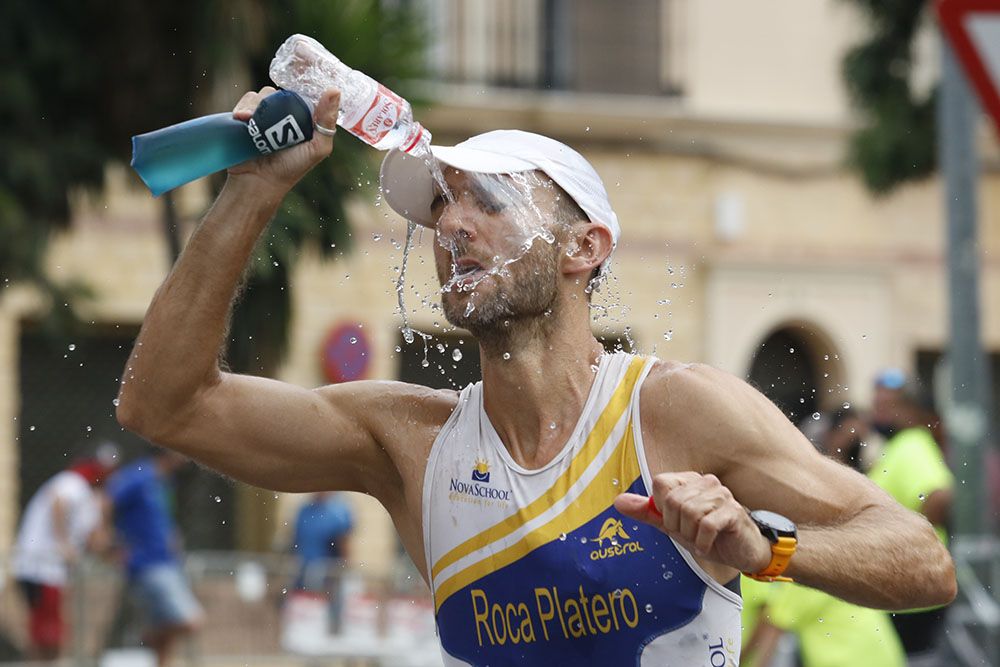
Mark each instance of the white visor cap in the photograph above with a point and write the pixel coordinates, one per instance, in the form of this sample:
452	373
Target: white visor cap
408	186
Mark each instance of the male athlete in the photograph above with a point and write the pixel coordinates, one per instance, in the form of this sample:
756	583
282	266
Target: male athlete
552	523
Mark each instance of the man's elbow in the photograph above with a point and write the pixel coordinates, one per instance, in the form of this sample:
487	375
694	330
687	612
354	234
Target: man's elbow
945	587
140	417
935	584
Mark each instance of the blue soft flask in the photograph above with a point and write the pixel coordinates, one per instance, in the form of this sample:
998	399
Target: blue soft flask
181	153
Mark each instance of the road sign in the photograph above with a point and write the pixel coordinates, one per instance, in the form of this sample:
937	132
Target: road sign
973	28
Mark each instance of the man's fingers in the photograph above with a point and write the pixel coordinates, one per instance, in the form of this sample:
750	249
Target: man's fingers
682	508
709	528
327	109
248	103
637	507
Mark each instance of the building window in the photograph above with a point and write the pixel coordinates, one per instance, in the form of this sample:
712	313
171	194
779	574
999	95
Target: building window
592	46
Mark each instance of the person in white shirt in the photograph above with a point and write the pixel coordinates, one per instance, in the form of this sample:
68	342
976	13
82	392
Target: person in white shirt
63	518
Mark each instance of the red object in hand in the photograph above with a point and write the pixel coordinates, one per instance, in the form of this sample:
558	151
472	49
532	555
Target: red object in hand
653	508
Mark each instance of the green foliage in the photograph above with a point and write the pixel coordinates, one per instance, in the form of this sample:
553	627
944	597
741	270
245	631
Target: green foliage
77	83
82	77
897	142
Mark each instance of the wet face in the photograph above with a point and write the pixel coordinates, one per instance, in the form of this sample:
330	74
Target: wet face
497	252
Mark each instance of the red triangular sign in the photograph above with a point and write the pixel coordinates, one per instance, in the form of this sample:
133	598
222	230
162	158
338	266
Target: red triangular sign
973	29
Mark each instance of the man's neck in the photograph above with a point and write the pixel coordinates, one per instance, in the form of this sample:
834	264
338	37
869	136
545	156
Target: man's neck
535	397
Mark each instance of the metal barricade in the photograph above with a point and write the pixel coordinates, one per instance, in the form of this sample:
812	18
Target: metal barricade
259	608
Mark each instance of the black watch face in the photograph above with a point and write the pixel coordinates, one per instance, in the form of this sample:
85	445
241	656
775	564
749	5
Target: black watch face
782	525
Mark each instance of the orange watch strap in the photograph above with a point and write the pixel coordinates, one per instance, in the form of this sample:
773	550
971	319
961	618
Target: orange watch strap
781	554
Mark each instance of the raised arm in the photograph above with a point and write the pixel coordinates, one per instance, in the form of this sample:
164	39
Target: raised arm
261	431
855	542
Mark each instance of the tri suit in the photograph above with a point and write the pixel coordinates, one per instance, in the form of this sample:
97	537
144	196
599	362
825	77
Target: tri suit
536	567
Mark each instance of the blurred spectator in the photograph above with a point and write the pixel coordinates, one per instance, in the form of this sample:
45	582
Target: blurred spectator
844	438
912	470
139	496
830	632
65	517
323	528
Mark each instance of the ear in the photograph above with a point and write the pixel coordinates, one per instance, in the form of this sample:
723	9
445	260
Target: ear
588	245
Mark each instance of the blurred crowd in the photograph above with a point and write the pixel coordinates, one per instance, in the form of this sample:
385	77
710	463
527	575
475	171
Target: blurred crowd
124	513
901	446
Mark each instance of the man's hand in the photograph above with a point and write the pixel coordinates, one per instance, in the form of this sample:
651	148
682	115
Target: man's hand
283	169
702	516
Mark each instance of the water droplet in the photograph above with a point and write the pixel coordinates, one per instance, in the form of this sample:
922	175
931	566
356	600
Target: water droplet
583	540
562	537
218	499
614	481
89	429
791	349
31	428
353	340
115	402
506	356
425	363
649	608
668	575
456	354
816	416
846	406
71	347
376	237
552	426
399	349
922	497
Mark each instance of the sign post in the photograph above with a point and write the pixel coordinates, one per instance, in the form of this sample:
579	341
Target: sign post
972	43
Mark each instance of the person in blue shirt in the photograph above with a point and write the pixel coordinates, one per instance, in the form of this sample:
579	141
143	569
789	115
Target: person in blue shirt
138	494
323	527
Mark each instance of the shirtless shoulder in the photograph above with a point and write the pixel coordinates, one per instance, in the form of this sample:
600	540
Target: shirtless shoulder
692	416
403	420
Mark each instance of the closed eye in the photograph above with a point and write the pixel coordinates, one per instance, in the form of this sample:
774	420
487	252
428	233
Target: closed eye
437	204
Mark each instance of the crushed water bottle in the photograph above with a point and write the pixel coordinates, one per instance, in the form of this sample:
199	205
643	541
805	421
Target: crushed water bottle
368	110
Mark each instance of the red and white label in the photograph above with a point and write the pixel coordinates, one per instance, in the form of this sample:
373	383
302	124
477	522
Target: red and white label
380	117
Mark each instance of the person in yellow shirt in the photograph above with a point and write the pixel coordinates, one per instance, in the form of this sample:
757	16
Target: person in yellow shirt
912	470
830	632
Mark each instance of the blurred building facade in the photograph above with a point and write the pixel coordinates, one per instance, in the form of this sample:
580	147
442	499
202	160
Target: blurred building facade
719	129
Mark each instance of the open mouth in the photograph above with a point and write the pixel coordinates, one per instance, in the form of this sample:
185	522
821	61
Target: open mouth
466	271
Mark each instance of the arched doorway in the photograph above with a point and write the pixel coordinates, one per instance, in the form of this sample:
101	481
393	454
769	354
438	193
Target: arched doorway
797	368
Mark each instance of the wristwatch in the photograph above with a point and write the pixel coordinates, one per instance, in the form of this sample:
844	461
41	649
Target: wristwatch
781	532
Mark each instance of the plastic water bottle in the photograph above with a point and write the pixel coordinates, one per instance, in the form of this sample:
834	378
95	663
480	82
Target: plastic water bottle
179	154
368	110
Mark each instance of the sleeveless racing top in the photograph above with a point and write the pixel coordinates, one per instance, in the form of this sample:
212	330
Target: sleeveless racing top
536	567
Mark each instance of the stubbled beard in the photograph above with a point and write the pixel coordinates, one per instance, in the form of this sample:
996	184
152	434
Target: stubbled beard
515	308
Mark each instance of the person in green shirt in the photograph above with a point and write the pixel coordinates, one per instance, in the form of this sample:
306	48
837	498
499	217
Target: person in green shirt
830	632
912	470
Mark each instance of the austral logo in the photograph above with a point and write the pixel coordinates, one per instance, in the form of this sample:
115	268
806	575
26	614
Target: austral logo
612	531
477	492
481	471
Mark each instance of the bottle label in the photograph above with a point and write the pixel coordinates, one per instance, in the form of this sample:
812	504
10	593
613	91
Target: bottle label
380	117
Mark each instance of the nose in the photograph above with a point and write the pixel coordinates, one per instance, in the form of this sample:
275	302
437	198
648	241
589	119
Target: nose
453	225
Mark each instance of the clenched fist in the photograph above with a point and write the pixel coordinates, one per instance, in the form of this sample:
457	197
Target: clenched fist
701	515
